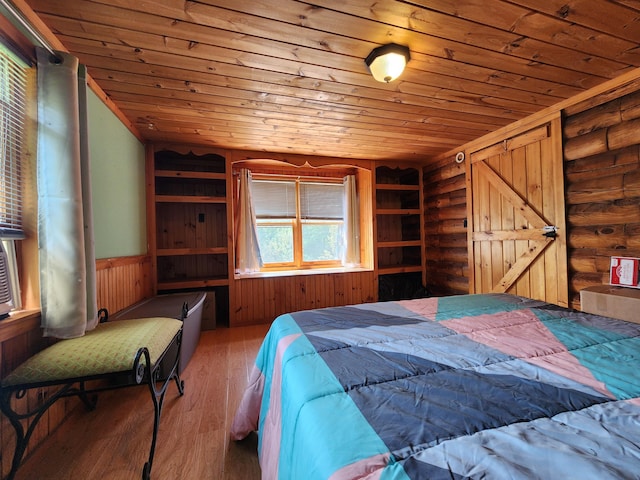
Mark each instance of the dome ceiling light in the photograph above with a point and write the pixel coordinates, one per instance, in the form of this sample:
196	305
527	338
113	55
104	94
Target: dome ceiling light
386	63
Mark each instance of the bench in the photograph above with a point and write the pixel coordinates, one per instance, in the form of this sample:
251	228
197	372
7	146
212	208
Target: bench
113	355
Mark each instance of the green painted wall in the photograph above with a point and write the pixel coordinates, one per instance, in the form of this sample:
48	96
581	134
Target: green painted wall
117	184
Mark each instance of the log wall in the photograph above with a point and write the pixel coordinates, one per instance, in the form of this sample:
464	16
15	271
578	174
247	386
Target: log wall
602	188
121	282
602	172
445	214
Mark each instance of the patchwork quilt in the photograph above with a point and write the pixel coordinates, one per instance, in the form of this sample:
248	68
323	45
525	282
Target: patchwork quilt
473	386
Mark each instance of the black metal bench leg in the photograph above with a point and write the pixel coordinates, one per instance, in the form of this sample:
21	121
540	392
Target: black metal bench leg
158	400
141	370
22	437
89	403
179	384
157	395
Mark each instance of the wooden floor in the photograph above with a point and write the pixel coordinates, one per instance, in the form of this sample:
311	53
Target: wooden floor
112	442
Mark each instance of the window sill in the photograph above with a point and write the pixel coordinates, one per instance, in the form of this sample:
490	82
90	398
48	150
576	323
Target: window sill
18	323
295	273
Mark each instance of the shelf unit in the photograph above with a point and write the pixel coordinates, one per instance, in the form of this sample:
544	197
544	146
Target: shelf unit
399	223
191	228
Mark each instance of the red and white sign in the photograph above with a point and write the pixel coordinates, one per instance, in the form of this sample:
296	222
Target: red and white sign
625	271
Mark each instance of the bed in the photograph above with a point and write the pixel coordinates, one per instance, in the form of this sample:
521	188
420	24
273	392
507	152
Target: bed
470	386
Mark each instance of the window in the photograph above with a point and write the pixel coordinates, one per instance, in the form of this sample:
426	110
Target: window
299	222
13	106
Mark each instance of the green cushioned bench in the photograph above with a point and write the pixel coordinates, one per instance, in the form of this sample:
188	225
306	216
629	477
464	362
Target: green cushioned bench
123	353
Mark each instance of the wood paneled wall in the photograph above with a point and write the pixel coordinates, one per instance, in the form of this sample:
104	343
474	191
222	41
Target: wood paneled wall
121	282
260	300
602	171
21	338
255	300
15	347
445	214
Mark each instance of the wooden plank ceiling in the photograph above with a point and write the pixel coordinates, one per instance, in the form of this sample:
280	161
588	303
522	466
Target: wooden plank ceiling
289	76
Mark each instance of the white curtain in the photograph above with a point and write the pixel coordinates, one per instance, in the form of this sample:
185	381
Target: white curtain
351	223
248	257
65	225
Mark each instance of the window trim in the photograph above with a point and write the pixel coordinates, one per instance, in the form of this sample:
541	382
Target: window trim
297	224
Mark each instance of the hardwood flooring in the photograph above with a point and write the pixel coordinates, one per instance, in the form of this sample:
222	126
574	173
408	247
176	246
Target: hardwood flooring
112	442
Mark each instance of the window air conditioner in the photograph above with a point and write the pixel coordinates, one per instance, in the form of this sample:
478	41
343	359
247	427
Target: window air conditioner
6	293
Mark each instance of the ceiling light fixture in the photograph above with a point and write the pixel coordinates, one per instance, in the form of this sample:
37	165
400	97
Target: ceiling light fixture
387	62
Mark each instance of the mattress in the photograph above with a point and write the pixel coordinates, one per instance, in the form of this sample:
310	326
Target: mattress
472	386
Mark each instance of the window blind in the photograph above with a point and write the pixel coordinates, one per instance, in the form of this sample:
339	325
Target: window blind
321	201
274	199
13	86
318	201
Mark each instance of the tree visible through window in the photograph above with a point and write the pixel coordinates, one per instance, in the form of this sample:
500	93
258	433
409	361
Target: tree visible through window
299	222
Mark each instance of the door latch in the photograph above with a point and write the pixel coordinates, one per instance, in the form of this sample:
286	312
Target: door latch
550	231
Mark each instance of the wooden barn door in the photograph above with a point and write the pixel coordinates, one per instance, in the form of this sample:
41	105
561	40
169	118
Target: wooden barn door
517	234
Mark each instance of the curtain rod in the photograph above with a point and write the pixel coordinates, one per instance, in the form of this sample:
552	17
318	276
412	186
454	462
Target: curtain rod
19	17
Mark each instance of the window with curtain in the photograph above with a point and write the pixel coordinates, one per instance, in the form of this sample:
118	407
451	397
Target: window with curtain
13	102
299	222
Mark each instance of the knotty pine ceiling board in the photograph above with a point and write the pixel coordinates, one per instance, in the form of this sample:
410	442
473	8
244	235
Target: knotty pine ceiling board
288	76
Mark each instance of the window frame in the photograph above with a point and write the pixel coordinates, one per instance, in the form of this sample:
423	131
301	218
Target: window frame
286	165
297	224
20	233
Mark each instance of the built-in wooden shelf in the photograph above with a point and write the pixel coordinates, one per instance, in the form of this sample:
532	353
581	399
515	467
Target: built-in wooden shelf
192	251
190	236
399	224
189	199
399	269
193	283
189	174
398	211
399	187
400	243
